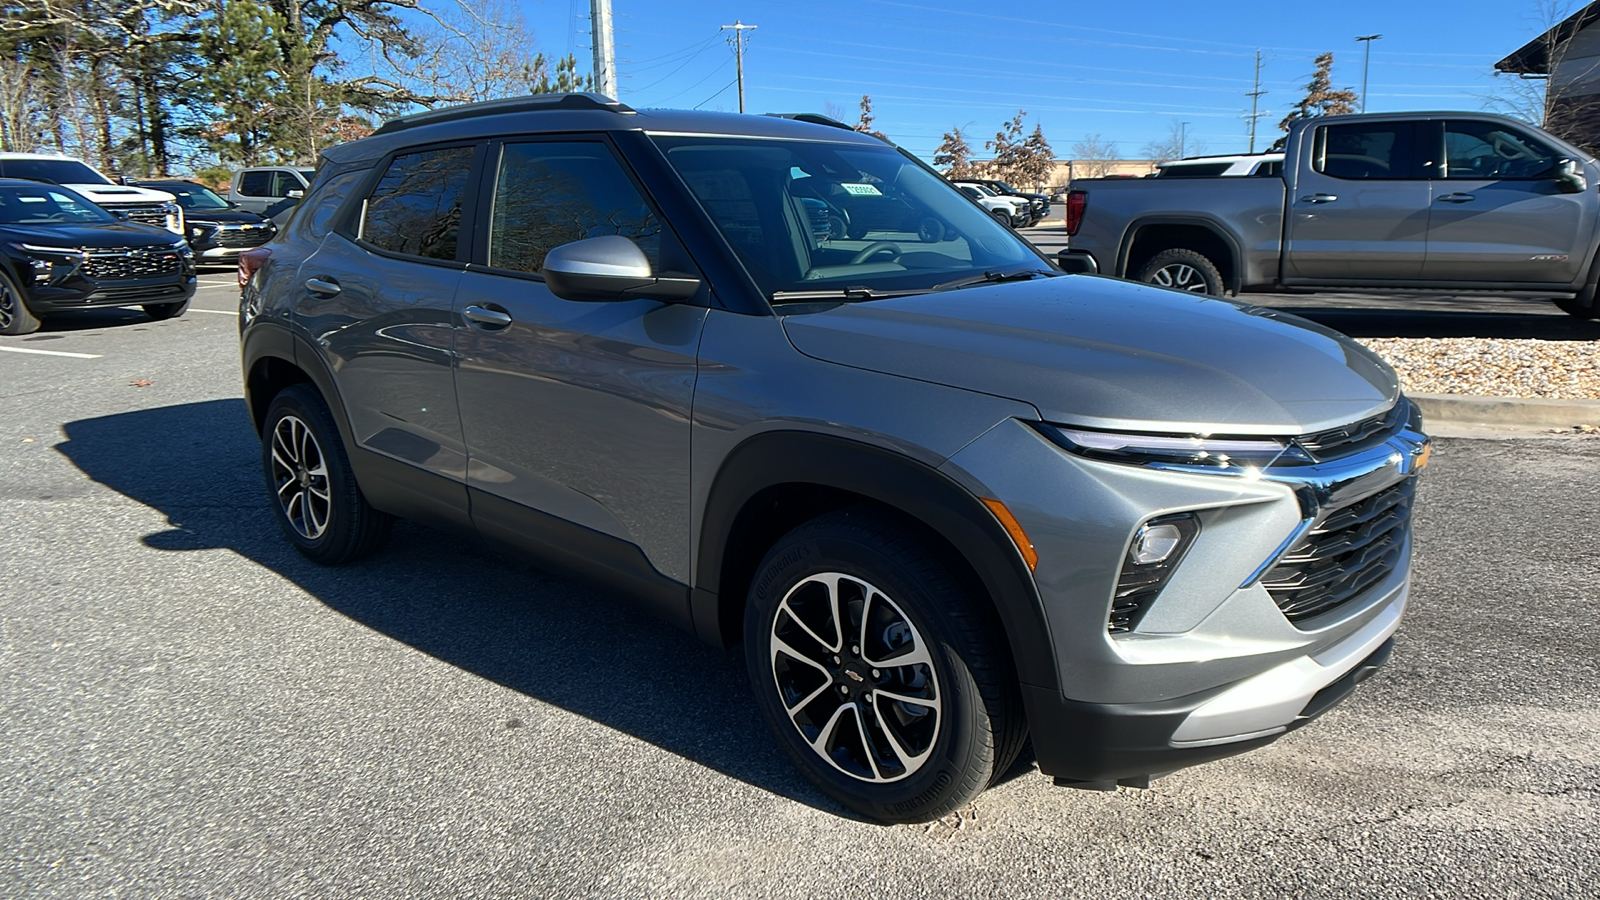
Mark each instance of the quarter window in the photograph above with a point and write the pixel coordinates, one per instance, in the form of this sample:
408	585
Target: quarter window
415	208
1485	150
552	193
1365	151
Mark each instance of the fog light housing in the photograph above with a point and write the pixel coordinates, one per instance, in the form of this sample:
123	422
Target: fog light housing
1153	555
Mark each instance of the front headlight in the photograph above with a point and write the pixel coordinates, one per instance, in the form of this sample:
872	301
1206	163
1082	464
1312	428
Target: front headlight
1201	451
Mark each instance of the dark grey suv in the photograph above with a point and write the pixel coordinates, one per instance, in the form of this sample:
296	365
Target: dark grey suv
946	497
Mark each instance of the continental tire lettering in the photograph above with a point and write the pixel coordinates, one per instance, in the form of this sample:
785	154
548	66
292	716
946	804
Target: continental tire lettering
940	782
783	562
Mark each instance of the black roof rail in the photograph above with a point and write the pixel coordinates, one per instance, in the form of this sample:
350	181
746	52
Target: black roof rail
813	118
529	103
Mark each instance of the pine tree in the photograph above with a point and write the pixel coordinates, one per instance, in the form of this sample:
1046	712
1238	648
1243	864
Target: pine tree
954	155
1321	99
1038	159
1009	149
865	125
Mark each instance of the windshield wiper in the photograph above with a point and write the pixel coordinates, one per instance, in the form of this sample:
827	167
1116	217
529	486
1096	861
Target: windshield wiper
995	278
848	295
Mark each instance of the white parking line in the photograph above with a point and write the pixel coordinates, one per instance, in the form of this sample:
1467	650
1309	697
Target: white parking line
51	352
217	312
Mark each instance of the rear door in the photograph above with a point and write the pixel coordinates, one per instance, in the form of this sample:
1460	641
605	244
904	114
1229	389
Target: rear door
1498	213
576	415
1359	208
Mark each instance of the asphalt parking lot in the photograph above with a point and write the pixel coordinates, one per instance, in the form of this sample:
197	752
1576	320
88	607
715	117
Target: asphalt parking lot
191	709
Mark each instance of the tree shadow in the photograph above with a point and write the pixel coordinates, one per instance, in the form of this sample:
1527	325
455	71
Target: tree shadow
564	643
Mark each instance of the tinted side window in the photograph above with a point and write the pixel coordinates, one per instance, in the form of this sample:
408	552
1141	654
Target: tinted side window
256	184
549	194
1367	151
324	203
284	182
1485	150
415	208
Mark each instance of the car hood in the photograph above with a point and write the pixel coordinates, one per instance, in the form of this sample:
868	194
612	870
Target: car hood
112	194
1104	353
121	234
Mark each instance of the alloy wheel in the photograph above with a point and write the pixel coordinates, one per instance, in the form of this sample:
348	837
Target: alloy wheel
1179	276
8	302
855	677
300	477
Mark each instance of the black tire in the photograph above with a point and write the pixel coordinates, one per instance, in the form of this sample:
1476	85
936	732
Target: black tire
1585	305
1182	269
15	317
956	719
1002	217
163	311
314	493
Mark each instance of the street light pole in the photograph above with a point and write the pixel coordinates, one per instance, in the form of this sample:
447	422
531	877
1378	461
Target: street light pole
1183	138
1366	59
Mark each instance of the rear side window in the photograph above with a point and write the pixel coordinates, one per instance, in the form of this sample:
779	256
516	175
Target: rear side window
256	184
1367	151
415	209
552	193
284	182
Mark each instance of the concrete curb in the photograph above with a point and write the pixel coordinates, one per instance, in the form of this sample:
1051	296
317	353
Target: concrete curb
1507	412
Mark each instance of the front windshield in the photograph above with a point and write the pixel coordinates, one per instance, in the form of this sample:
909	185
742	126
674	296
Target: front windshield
54	171
815	216
191	196
43	205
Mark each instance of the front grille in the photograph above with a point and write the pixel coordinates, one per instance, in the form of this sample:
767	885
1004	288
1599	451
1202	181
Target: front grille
140	293
1355	437
1349	551
248	236
146	213
131	264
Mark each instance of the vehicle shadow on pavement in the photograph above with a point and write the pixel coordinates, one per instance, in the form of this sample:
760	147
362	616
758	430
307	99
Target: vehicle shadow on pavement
1424	323
564	643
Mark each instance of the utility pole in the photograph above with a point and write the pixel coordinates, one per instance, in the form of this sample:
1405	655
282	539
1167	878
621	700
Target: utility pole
739	28
1183	139
1366	39
1255	103
605	52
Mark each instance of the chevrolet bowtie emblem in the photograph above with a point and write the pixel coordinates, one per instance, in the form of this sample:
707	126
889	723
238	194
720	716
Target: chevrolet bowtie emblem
854	675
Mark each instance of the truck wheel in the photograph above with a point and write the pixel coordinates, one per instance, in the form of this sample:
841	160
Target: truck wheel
314	493
1001	217
163	311
876	670
14	315
1586	305
1182	269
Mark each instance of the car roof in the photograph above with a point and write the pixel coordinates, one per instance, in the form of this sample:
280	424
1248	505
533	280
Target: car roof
578	112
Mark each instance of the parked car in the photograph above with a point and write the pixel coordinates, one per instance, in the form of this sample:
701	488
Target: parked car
1013	211
157	208
949	499
1376	203
272	191
217	229
59	252
1263	164
1039	203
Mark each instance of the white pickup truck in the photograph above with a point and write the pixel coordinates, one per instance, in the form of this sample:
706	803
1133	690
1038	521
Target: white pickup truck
137	204
1375	203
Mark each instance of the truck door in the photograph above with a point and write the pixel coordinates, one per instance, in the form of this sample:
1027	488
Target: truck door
1498	213
1358	207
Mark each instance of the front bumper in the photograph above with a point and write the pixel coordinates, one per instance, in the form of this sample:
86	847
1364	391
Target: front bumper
44	299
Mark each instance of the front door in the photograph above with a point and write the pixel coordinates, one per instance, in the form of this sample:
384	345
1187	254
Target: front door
576	411
1498	213
1359	211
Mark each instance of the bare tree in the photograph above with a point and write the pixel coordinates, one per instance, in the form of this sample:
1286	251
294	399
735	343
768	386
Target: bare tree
1544	81
1038	159
478	50
1095	155
1010	153
1177	144
954	155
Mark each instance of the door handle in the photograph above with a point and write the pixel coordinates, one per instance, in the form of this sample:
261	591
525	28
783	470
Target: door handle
1319	198
492	319
325	286
1457	198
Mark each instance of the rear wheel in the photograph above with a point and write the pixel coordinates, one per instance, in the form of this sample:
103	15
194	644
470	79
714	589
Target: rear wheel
314	492
878	672
15	318
1182	269
1586	305
163	311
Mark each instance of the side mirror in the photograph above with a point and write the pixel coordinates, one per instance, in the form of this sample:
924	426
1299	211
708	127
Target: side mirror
609	268
1569	176
295	195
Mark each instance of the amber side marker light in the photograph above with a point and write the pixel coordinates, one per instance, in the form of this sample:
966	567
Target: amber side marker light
1014	528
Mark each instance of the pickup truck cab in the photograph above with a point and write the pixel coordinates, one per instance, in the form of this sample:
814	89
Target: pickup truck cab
1385	202
127	202
269	189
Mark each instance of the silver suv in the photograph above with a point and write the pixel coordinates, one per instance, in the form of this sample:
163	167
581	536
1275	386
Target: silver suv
946	497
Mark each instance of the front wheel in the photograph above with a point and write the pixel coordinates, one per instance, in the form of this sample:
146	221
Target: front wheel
1001	217
882	677
1182	269
15	317
314	492
163	311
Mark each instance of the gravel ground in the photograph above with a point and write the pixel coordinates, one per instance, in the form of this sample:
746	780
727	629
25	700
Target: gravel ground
1494	367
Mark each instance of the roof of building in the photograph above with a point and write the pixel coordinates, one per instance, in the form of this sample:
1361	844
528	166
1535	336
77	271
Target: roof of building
1533	58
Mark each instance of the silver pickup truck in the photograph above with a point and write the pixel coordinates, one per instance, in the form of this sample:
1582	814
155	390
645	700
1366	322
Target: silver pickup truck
1374	203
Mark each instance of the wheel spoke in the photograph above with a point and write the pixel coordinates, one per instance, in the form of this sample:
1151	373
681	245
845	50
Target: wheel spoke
779	645
932	703
285	485
820	744
914	655
806	701
908	760
866	742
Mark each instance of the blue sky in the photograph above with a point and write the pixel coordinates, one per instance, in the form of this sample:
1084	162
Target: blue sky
1126	71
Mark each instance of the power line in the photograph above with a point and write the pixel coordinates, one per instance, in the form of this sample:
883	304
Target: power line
718	94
